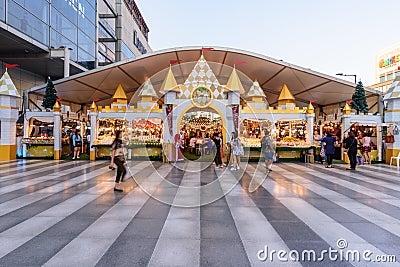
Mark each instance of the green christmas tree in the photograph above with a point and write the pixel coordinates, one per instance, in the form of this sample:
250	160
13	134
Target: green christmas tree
359	99
50	96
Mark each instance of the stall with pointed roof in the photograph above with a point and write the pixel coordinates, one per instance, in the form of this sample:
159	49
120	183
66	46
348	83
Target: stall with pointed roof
9	116
141	124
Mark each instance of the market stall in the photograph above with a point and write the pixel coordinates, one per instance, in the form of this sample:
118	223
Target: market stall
364	125
142	131
289	126
38	141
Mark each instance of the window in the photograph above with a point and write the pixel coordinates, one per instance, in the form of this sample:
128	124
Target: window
40	8
389	77
63	25
87	44
24	21
381	79
58	40
88	27
85	59
67	9
3	10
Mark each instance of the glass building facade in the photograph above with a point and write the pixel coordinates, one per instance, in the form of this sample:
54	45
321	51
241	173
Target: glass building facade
56	23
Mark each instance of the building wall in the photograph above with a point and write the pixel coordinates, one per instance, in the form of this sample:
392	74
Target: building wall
131	47
387	63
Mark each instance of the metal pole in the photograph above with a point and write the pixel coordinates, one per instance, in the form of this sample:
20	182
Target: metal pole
66	62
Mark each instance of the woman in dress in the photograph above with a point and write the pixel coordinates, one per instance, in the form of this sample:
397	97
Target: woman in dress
237	151
118	158
366	148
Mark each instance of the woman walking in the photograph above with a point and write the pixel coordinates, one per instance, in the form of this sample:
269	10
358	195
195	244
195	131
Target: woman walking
117	157
77	142
237	151
329	141
366	148
268	150
350	145
217	143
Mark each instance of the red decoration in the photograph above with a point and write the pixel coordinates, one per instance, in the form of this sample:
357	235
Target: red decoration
96	99
235	113
313	101
168	110
174	61
349	101
239	62
398	68
59	99
207	49
10	66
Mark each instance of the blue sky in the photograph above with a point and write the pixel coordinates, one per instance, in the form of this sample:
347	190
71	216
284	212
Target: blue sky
326	36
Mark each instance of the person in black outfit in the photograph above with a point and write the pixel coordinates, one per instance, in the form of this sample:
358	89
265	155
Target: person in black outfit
118	158
350	143
217	142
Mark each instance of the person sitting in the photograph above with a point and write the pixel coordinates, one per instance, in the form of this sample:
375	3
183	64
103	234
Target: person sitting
44	134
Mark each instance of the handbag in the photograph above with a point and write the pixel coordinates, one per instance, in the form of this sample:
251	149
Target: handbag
322	153
120	158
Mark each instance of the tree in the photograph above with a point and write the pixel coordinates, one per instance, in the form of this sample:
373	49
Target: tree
50	96
359	99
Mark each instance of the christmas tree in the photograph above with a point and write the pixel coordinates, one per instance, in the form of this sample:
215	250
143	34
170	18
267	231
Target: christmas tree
359	99
50	96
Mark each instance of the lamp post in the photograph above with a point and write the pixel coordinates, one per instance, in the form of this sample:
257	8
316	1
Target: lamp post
355	76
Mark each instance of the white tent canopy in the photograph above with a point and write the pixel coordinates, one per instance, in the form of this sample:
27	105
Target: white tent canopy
271	74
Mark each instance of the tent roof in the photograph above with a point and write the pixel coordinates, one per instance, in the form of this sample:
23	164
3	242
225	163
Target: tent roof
304	84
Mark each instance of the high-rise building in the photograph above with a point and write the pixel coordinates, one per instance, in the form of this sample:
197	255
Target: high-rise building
387	64
39	34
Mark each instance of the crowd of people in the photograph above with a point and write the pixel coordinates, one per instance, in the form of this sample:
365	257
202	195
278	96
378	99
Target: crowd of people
354	146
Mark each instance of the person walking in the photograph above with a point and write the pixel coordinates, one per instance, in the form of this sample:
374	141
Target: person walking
118	158
366	148
329	141
237	151
217	145
268	150
71	143
77	143
350	146
88	142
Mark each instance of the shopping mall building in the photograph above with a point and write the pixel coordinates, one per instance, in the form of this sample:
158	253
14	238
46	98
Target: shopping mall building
40	34
386	67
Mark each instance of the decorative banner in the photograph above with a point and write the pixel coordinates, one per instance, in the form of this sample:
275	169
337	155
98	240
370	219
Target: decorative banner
313	101
10	66
349	101
96	99
168	109
239	62
59	99
172	62
207	49
235	113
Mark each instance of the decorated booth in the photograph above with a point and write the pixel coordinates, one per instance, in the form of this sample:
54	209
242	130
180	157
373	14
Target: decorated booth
141	126
362	125
42	134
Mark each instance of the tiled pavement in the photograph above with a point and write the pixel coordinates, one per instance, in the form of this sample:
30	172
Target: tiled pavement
67	214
